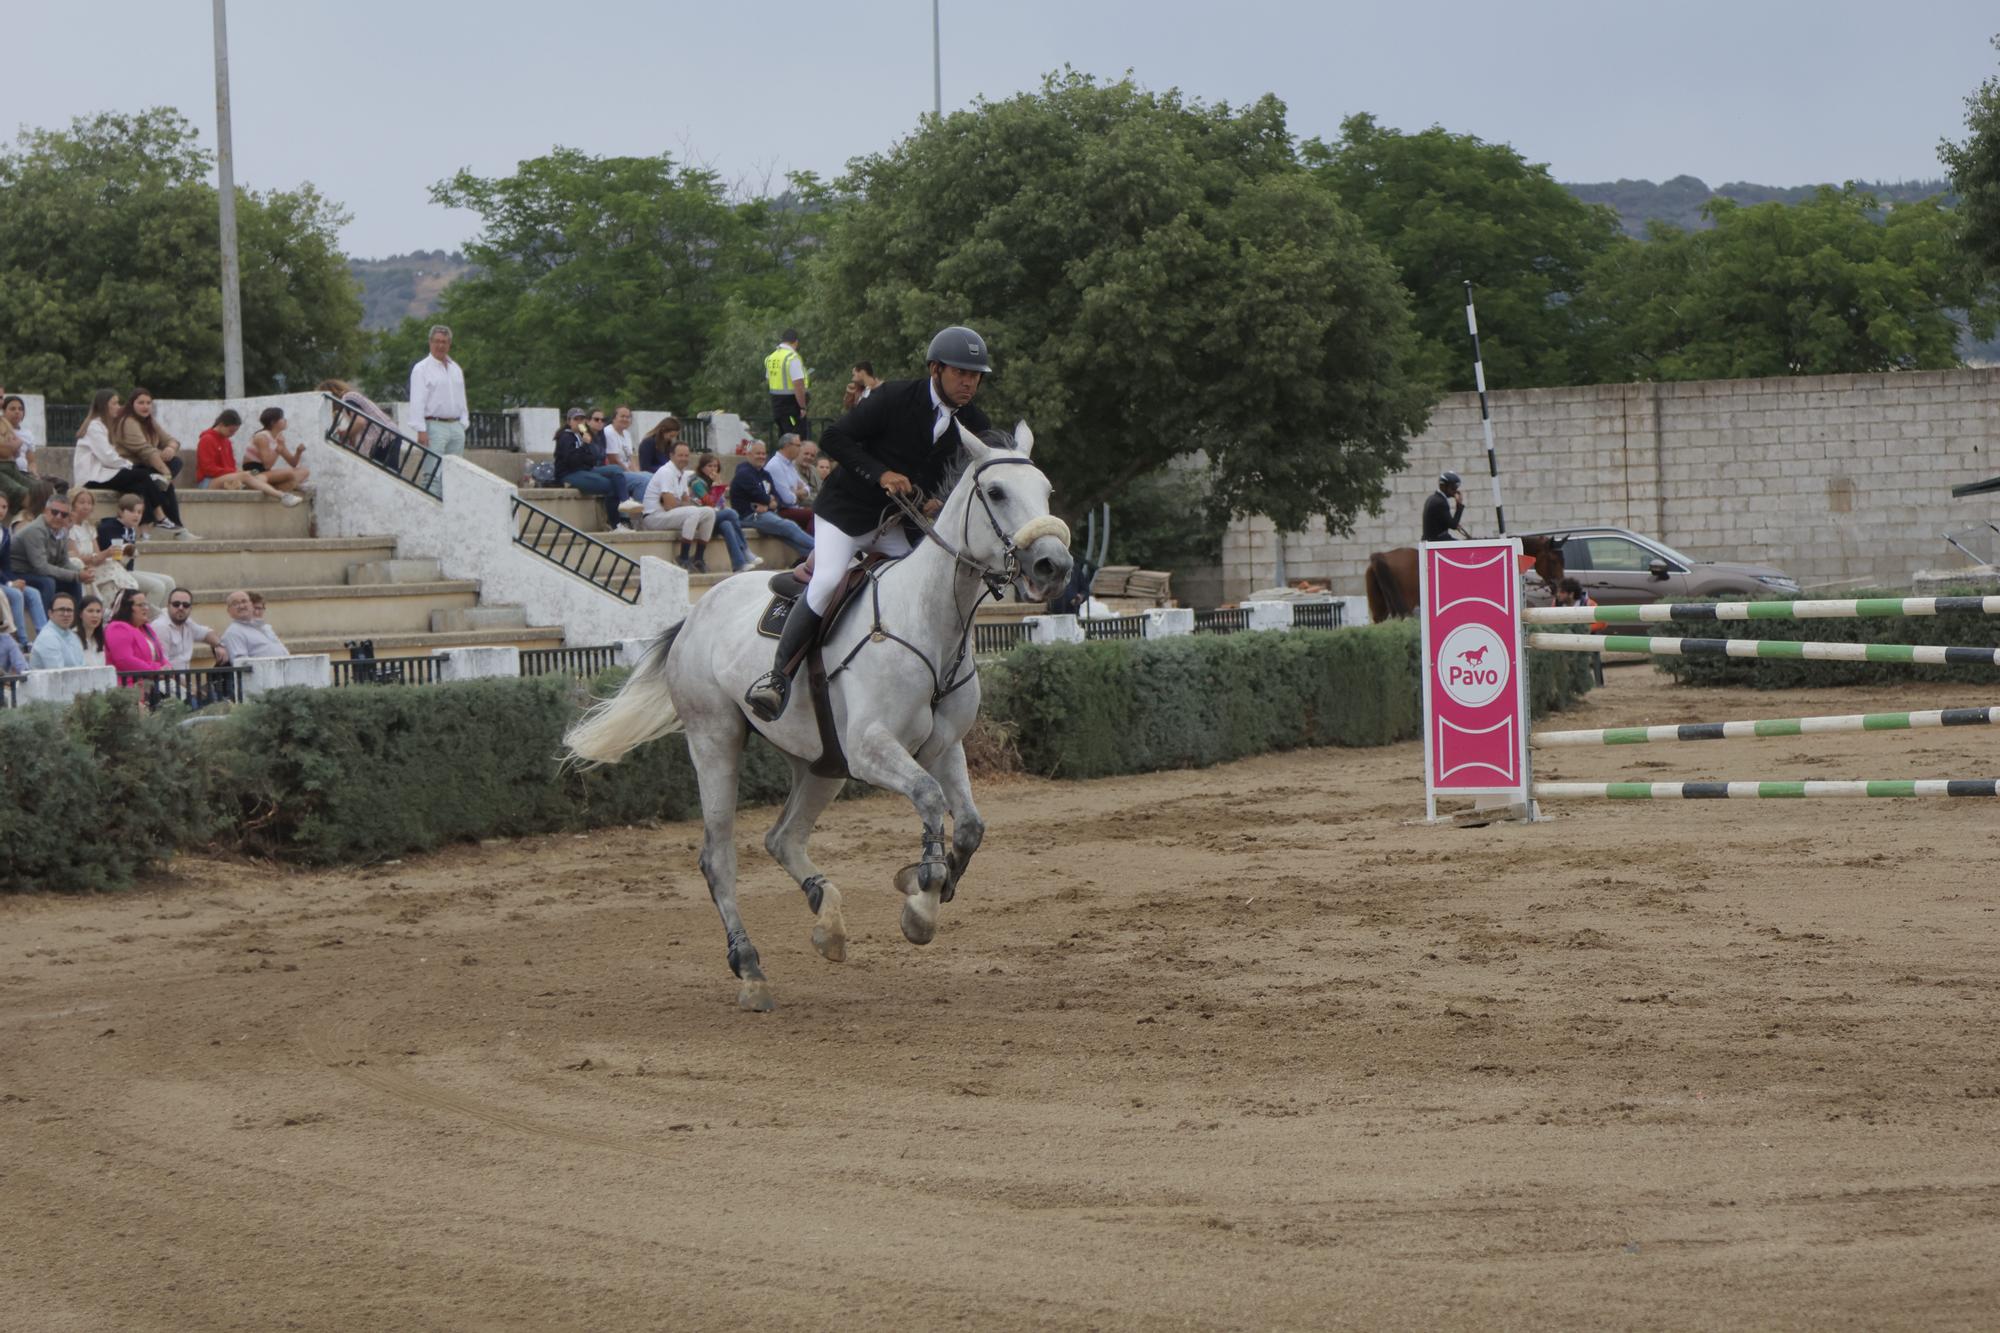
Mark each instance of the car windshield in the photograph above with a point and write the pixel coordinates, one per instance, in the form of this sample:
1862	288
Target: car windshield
1653	542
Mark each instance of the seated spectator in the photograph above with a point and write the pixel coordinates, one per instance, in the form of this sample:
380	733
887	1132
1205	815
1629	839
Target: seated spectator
23	600
13	662
580	466
130	644
14	475
618	452
708	489
787	484
14	411
809	474
658	446
669	504
58	645
41	552
248	636
755	500
90	630
98	548
180	633
215	462
824	467
150	457
373	432
274	459
257	603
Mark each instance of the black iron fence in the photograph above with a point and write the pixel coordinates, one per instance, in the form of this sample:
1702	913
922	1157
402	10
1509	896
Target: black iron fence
576	551
197	687
1222	620
494	430
371	670
696	433
1114	627
61	421
1317	615
9	691
582	663
382	444
998	636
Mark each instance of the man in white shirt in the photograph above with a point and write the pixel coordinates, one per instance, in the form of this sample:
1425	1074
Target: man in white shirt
247	636
667	506
618	450
180	632
438	411
794	500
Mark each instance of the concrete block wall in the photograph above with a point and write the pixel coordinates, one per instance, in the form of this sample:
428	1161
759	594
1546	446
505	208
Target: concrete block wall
1839	478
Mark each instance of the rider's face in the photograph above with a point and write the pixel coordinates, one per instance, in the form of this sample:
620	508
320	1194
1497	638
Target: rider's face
956	386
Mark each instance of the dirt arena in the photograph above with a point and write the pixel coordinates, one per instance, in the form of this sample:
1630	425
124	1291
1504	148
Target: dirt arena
1246	1047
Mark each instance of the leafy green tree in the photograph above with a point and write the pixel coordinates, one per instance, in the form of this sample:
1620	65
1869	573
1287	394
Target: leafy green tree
1450	209
1155	276
1820	288
1975	173
109	244
599	279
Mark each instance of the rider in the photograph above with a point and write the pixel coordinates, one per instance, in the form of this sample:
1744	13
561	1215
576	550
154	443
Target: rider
896	441
1444	511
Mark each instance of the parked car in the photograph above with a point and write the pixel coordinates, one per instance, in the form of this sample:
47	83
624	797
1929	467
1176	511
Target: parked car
1618	567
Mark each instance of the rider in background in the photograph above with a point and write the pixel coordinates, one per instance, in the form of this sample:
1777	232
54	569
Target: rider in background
1444	511
899	440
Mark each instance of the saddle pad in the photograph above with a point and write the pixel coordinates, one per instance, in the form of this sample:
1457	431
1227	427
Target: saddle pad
772	623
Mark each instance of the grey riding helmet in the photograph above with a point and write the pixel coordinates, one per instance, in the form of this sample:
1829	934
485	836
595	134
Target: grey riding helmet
1448	478
961	347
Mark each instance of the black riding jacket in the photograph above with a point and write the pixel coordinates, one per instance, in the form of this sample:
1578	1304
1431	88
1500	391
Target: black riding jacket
888	431
1441	516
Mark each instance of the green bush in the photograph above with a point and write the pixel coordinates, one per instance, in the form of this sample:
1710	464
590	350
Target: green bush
1949	631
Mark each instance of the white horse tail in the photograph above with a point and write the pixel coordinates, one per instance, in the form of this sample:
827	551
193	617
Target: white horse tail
641	711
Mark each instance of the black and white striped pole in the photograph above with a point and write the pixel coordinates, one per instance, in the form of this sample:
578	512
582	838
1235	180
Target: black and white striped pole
1485	415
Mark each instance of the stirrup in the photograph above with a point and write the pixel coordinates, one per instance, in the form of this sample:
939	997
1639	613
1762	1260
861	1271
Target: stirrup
757	696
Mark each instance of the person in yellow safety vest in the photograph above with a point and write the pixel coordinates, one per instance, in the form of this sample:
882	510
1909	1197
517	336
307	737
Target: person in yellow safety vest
785	376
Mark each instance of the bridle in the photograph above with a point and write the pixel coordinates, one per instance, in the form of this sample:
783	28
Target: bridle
996	581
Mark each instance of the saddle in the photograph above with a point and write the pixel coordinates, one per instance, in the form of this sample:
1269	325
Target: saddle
787	587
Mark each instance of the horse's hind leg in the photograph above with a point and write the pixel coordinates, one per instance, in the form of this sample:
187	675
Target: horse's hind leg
879	760
716	747
968	830
787	843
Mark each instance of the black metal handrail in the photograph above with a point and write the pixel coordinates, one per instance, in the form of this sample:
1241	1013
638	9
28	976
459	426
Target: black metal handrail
582	663
1114	627
388	448
696	432
197	687
9	688
998	636
414	670
603	567
494	430
1317	615
1222	620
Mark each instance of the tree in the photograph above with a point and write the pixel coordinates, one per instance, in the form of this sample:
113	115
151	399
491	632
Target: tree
1449	209
1975	173
1154	276
599	278
109	245
1819	288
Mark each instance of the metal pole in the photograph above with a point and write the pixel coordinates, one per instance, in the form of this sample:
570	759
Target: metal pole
937	64
1487	421
232	298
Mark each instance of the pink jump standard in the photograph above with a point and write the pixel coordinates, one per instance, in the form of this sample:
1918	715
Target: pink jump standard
1475	676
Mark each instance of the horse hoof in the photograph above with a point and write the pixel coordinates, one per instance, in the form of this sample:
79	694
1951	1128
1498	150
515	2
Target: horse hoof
919	919
755	996
831	941
906	879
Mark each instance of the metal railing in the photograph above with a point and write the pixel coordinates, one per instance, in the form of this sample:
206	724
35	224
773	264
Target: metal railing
1114	627
61	421
1222	620
9	691
416	670
696	433
997	636
382	444
494	430
1317	615
197	687
582	663
575	550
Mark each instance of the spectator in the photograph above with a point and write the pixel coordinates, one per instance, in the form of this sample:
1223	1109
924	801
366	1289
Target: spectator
181	632
670	503
215	461
95	462
823	468
1570	593
130	644
275	459
619	452
373	432
13	661
41	552
787	484
707	489
580	466
152	461
785	377
248	636
438	410
14	476
24	600
257	603
90	629
97	547
58	646
14	411
860	385
658	447
754	499
807	465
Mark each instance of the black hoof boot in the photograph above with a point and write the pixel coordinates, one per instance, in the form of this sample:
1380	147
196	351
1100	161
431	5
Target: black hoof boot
768	696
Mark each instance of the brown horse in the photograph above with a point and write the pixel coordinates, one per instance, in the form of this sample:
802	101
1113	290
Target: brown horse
1391	579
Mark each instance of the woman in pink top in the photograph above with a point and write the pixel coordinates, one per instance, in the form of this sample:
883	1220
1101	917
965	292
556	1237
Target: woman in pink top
129	641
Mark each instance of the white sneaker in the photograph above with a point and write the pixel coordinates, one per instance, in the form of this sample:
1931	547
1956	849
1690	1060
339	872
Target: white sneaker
186	536
756	562
289	499
165	525
631	507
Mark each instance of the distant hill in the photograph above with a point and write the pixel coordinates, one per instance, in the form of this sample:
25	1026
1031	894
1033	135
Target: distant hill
399	286
1679	201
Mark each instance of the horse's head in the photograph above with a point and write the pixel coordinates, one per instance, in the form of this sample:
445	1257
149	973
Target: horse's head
998	513
1548	555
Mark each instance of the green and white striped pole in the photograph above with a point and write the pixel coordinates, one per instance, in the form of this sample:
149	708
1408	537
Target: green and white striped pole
1782	650
1770	728
1766	791
1853	608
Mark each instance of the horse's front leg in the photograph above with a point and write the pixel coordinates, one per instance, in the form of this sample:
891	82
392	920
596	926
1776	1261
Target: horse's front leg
880	760
967	828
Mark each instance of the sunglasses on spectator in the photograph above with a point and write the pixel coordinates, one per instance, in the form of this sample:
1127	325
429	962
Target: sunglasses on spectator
597	418
54	512
181	606
62	610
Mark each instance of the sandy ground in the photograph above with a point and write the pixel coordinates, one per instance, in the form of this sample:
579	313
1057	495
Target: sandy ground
1238	1048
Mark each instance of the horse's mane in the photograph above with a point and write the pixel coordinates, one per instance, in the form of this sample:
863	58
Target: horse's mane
992	439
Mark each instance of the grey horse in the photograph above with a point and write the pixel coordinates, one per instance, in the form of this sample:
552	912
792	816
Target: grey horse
908	693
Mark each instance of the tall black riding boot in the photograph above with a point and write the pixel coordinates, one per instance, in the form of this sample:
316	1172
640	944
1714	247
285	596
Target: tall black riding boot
768	696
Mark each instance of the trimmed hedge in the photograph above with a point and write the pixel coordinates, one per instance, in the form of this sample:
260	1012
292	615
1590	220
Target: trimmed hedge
99	792
1951	631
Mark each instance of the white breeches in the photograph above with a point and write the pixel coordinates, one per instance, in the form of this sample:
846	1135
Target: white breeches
834	551
696	522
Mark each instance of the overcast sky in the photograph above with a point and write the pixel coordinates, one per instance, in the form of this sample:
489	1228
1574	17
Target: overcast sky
374	101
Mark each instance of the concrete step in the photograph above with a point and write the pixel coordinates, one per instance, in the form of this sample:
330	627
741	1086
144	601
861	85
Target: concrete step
337	609
585	512
478	617
376	572
502	463
261	563
240	514
418	644
666	545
